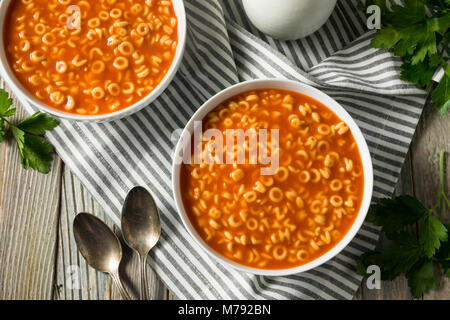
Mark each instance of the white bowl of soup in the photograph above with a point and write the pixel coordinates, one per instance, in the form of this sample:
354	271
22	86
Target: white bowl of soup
272	177
91	60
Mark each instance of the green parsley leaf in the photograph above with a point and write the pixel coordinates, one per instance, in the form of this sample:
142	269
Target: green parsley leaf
437	4
19	135
5	104
402	238
2	129
413	10
443	255
421	278
37	154
441	95
396	213
364	261
392	261
420	39
420	73
413	257
38	124
432	232
427	48
34	151
439	24
58	288
403	16
386	38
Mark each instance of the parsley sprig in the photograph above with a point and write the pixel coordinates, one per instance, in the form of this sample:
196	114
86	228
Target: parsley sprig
34	151
411	255
418	33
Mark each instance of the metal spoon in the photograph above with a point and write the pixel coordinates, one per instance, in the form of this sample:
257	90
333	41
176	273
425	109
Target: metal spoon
141	228
99	246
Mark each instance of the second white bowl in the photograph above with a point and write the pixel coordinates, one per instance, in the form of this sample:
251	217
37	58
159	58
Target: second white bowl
12	82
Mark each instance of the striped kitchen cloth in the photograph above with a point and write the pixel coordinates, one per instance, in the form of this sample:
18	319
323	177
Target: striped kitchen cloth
223	49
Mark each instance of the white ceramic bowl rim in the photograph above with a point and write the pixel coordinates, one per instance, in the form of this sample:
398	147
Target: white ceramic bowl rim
17	87
309	91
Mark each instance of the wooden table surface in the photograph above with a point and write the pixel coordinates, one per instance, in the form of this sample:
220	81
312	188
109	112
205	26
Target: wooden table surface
38	256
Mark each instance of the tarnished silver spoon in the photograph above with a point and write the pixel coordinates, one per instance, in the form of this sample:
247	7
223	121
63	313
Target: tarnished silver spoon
141	228
99	246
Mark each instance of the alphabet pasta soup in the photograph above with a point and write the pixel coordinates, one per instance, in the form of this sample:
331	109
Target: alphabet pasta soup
90	57
287	217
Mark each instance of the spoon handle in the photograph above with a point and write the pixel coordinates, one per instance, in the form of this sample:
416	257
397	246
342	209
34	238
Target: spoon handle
144	286
118	282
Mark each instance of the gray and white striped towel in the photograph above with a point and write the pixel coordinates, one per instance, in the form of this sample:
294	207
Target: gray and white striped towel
222	49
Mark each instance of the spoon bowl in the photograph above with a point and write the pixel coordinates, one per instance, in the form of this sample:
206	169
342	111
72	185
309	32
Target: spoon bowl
141	227
99	246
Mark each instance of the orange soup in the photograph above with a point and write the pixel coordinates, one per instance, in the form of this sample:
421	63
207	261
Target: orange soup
287	218
90	57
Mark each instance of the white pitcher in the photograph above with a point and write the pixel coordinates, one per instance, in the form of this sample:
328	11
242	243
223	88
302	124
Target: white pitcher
288	19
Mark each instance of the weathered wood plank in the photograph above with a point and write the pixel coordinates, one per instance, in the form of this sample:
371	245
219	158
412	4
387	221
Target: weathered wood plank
77	279
432	135
29	207
421	180
92	284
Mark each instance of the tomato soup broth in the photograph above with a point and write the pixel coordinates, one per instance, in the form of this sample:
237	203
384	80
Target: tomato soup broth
90	57
294	216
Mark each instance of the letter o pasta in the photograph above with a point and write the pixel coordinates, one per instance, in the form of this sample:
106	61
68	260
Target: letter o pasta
276	194
61	66
302	255
98	67
113	89
128	88
49	39
280	252
37	56
304	176
336	185
142	29
234	222
282	174
126	48
252	224
40	29
120	63
115	13
98	93
336	201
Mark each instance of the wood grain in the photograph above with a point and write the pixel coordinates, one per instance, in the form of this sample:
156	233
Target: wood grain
29	208
432	135
420	177
397	289
74	277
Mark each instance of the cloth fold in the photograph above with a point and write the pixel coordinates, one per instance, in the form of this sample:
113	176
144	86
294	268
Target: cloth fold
223	49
